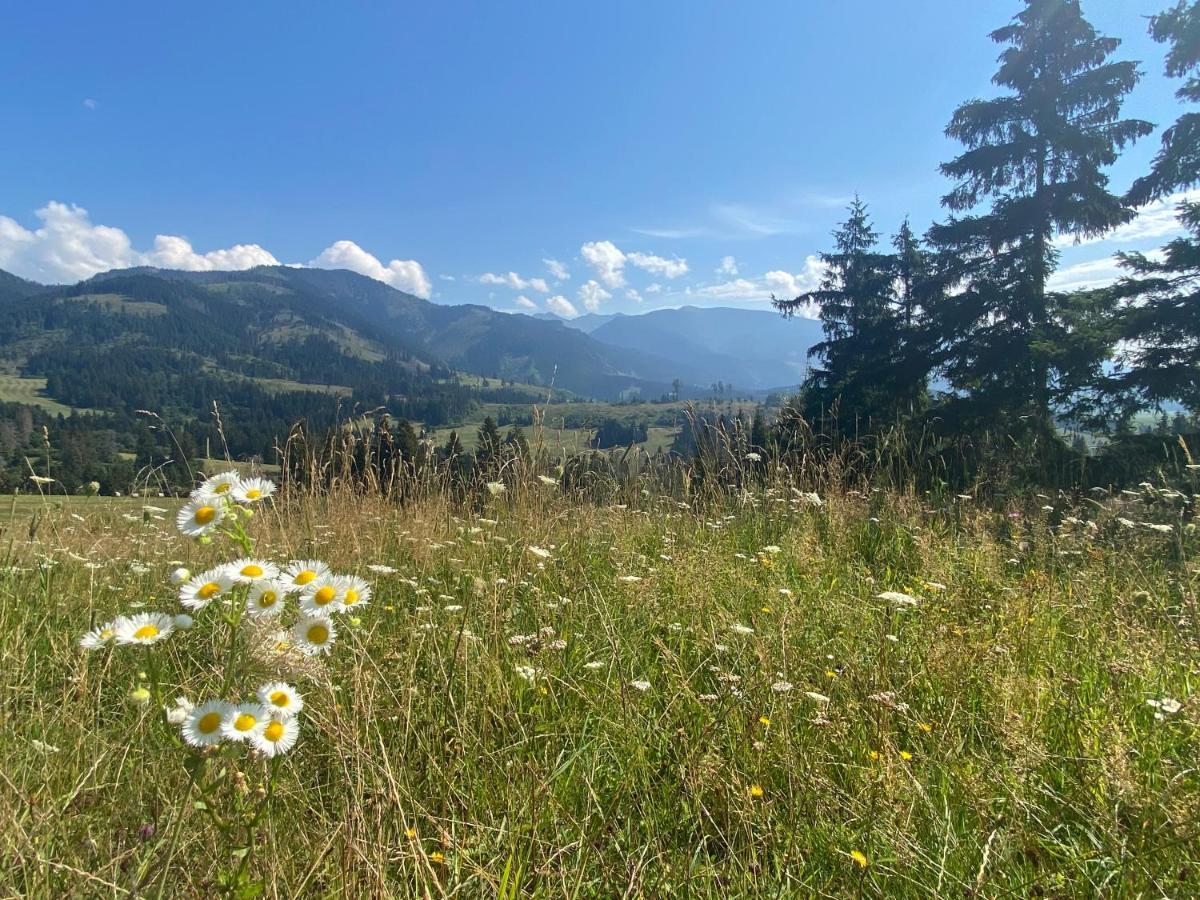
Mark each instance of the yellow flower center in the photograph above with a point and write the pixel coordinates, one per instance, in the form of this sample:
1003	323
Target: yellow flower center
274	731
106	633
253	494
306	576
280	698
209	722
244	722
205	514
222	487
252	571
317	634
351	597
267	598
146	632
209	591
325	595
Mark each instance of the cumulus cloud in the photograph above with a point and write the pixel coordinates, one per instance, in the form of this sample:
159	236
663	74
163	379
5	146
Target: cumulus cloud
402	274
556	269
561	306
633	295
728	266
515	281
68	246
658	265
606	260
655	288
525	303
592	295
171	252
782	284
1094	273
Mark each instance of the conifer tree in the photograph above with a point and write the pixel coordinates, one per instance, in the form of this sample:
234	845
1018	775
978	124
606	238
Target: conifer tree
1037	155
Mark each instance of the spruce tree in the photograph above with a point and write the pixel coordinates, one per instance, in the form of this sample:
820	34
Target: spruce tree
1036	154
854	363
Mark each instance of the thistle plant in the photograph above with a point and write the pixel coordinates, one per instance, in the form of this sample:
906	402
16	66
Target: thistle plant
246	721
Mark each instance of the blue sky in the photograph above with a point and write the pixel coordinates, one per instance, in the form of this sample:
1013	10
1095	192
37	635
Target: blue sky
661	152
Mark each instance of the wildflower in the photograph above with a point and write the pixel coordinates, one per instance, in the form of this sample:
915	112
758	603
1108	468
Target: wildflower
243	721
548	481
764	721
756	791
781	687
540	552
314	635
200	590
629	579
183	621
143	628
410	833
253	490
898	598
739	628
98	637
437	856
529	673
179	576
217	486
140	696
199	516
925	726
594	664
266	599
753	457
246	570
496	488
905	755
178	713
275	737
202	727
299	573
1167	706
859	858
281	699
640	685
43	747
815	697
322	597
355	591
381	569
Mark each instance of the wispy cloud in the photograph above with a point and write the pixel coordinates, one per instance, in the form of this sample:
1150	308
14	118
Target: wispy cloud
515	281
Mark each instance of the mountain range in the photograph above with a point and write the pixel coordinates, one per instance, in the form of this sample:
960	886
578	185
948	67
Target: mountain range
269	313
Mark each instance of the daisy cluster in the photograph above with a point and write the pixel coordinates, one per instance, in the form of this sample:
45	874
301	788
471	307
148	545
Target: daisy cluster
248	590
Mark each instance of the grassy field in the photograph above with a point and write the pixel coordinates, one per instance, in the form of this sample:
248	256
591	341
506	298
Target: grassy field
19	389
549	699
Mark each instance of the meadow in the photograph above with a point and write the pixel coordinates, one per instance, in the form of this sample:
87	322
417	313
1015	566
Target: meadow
792	690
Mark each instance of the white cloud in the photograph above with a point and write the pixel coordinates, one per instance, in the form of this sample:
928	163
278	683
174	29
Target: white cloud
402	274
171	252
525	303
561	306
728	266
556	269
1159	219
592	295
633	295
784	285
655	288
607	261
1091	274
89	103
658	265
515	281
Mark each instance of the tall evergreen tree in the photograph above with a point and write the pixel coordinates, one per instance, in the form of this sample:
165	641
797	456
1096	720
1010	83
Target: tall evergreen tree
857	359
1037	152
1177	164
1158	320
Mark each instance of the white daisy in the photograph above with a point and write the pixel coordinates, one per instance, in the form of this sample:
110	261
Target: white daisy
266	598
253	490
143	628
178	713
323	596
179	576
355	591
247	570
314	635
201	590
100	636
299	573
244	720
202	727
280	699
277	736
199	516
218	486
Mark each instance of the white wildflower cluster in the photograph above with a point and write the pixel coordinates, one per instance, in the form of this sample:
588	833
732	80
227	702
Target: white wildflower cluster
250	590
